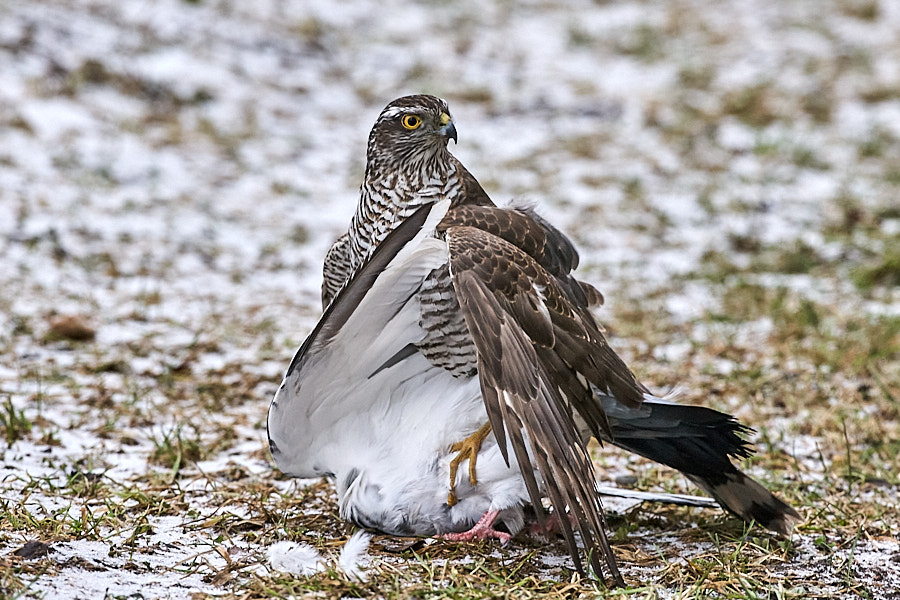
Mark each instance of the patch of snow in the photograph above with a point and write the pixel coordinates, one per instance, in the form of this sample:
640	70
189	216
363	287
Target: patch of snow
195	184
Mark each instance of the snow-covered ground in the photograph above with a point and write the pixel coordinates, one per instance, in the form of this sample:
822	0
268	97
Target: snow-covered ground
171	174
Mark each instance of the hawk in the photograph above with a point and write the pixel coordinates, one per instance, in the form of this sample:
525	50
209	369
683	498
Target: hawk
457	372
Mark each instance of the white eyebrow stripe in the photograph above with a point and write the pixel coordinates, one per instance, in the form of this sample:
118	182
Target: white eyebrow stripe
393	112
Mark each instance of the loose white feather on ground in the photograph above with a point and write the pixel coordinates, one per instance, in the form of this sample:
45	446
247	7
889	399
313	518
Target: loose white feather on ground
294	558
353	555
304	560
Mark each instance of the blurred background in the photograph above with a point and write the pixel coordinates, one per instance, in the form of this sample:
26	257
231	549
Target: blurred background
172	173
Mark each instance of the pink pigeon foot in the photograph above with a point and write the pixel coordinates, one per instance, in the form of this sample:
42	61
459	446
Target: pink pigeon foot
482	530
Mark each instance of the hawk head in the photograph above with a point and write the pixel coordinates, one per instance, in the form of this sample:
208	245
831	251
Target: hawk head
411	130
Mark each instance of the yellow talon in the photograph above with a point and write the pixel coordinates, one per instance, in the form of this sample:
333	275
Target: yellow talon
468	448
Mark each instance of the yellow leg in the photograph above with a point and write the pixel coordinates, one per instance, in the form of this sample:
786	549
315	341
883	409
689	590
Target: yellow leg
468	448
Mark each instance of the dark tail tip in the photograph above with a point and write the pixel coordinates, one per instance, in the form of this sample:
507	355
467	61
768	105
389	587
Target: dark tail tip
749	500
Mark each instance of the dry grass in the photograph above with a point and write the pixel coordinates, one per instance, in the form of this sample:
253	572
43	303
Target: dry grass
818	383
138	354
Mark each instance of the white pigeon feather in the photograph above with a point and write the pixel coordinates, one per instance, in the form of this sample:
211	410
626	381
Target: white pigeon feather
304	560
294	558
353	555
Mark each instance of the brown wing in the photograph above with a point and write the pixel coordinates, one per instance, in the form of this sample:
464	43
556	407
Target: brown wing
526	230
538	356
473	193
543	256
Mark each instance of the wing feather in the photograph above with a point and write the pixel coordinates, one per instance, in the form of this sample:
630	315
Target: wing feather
522	228
316	392
532	343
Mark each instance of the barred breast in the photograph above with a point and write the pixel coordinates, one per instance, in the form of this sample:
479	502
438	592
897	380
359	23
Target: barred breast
447	343
336	270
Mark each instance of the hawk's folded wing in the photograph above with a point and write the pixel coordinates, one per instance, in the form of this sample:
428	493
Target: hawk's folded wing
540	356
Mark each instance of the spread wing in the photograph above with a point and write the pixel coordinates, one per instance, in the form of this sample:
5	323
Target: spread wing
318	391
540	358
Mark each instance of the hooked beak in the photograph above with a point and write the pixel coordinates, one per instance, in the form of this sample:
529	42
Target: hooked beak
448	129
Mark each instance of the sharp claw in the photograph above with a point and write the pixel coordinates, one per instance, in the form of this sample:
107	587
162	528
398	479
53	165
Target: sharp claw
454	467
466	449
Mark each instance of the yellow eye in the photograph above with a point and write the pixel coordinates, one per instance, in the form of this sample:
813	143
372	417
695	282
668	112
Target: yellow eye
411	121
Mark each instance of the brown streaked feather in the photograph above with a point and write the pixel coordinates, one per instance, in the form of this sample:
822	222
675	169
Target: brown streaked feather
522	228
533	297
592	295
539	354
473	194
535	236
521	401
336	270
